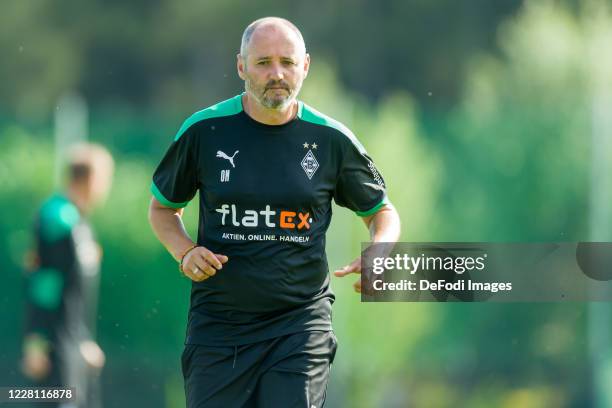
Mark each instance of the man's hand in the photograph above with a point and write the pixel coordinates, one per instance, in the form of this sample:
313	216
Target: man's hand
353	267
366	279
92	354
200	264
36	364
384	226
167	223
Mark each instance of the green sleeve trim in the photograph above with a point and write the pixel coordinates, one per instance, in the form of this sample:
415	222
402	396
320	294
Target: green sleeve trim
160	197
374	209
57	218
228	107
312	115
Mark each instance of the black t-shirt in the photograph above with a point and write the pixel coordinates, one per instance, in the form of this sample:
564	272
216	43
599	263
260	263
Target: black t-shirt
61	292
265	202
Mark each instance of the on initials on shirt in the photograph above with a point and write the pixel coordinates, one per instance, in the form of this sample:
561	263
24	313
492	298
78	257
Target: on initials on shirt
225	176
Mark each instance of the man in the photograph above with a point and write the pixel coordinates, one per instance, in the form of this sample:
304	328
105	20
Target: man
62	283
267	167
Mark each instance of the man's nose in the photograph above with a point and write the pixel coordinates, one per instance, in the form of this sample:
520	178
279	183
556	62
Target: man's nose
276	71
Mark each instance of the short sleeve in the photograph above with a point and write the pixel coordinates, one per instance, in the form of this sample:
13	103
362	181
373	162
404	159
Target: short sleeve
360	186
175	181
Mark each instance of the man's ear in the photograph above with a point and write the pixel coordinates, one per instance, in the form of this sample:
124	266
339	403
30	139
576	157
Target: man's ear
240	65
306	64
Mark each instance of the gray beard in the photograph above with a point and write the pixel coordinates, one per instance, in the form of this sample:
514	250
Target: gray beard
270	103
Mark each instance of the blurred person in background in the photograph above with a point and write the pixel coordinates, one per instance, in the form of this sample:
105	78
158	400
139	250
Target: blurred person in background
59	348
267	167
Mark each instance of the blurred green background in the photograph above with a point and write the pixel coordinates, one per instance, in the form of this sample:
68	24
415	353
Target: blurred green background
490	121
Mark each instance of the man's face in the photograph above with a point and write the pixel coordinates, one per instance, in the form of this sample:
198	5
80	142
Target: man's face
100	180
275	66
100	185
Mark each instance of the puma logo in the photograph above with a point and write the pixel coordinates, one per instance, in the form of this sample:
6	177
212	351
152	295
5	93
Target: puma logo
226	157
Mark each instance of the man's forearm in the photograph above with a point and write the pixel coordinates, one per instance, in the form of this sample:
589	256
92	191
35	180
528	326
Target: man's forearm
167	224
385	225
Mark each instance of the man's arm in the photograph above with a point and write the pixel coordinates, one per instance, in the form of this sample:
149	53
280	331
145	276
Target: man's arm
167	223
384	226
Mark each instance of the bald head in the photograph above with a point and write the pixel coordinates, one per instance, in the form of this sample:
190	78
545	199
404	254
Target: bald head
278	25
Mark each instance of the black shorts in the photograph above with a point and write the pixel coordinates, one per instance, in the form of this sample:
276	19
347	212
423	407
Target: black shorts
287	371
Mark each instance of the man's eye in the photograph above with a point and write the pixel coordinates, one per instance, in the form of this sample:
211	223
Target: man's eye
288	62
262	62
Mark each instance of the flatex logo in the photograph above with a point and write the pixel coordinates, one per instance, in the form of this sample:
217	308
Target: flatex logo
252	218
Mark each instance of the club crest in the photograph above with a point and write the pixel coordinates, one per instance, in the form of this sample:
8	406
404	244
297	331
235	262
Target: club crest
310	164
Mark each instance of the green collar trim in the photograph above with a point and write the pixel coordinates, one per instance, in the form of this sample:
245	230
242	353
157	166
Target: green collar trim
227	107
312	115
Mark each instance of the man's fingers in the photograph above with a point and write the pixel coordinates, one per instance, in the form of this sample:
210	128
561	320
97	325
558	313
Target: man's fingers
222	258
363	286
210	258
201	264
209	270
198	271
202	254
195	275
345	270
204	267
354	267
342	271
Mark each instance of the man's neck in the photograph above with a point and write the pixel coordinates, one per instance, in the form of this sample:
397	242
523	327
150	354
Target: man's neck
268	116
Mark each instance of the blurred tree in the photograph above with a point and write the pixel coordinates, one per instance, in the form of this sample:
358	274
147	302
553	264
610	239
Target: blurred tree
166	55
